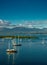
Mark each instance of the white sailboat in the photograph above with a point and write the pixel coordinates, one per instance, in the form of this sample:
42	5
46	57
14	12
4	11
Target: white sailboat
14	42
11	50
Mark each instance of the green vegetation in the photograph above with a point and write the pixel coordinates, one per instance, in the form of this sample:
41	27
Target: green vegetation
18	37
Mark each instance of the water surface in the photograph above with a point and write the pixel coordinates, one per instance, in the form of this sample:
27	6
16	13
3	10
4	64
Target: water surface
32	51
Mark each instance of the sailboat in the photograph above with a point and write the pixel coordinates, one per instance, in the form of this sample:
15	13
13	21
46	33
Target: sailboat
10	50
14	42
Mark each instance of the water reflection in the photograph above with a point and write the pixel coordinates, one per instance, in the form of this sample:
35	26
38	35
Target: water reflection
31	50
11	56
43	41
3	40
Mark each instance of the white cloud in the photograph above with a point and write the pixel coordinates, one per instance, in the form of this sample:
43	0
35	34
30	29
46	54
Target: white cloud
4	23
36	23
24	23
32	23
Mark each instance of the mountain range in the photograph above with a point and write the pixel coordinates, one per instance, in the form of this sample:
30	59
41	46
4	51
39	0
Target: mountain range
21	30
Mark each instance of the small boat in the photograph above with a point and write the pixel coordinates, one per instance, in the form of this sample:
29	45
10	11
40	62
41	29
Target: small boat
11	50
16	44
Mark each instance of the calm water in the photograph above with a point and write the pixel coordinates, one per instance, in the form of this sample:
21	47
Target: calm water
32	51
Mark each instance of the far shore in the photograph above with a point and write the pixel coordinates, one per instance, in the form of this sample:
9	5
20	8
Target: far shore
18	37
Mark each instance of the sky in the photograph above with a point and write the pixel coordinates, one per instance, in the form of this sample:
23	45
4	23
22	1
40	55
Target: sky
20	11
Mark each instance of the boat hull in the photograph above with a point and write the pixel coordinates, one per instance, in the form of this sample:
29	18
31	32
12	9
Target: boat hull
17	45
11	51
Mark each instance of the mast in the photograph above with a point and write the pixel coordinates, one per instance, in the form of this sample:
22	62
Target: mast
18	39
9	45
13	42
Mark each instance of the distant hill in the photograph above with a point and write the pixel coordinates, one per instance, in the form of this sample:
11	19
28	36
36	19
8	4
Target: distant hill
16	30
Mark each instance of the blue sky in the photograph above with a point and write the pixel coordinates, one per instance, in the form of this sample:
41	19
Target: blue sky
13	10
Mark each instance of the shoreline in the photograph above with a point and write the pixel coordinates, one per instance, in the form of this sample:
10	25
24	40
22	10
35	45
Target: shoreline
18	37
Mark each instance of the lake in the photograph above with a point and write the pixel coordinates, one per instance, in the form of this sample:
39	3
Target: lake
31	51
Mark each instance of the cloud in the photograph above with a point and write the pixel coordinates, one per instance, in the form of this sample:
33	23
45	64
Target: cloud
24	23
36	23
4	23
32	23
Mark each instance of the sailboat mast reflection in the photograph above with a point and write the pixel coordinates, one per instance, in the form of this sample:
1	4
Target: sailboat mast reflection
11	61
43	41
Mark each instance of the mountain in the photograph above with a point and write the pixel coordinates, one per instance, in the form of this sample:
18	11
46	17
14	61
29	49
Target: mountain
19	30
